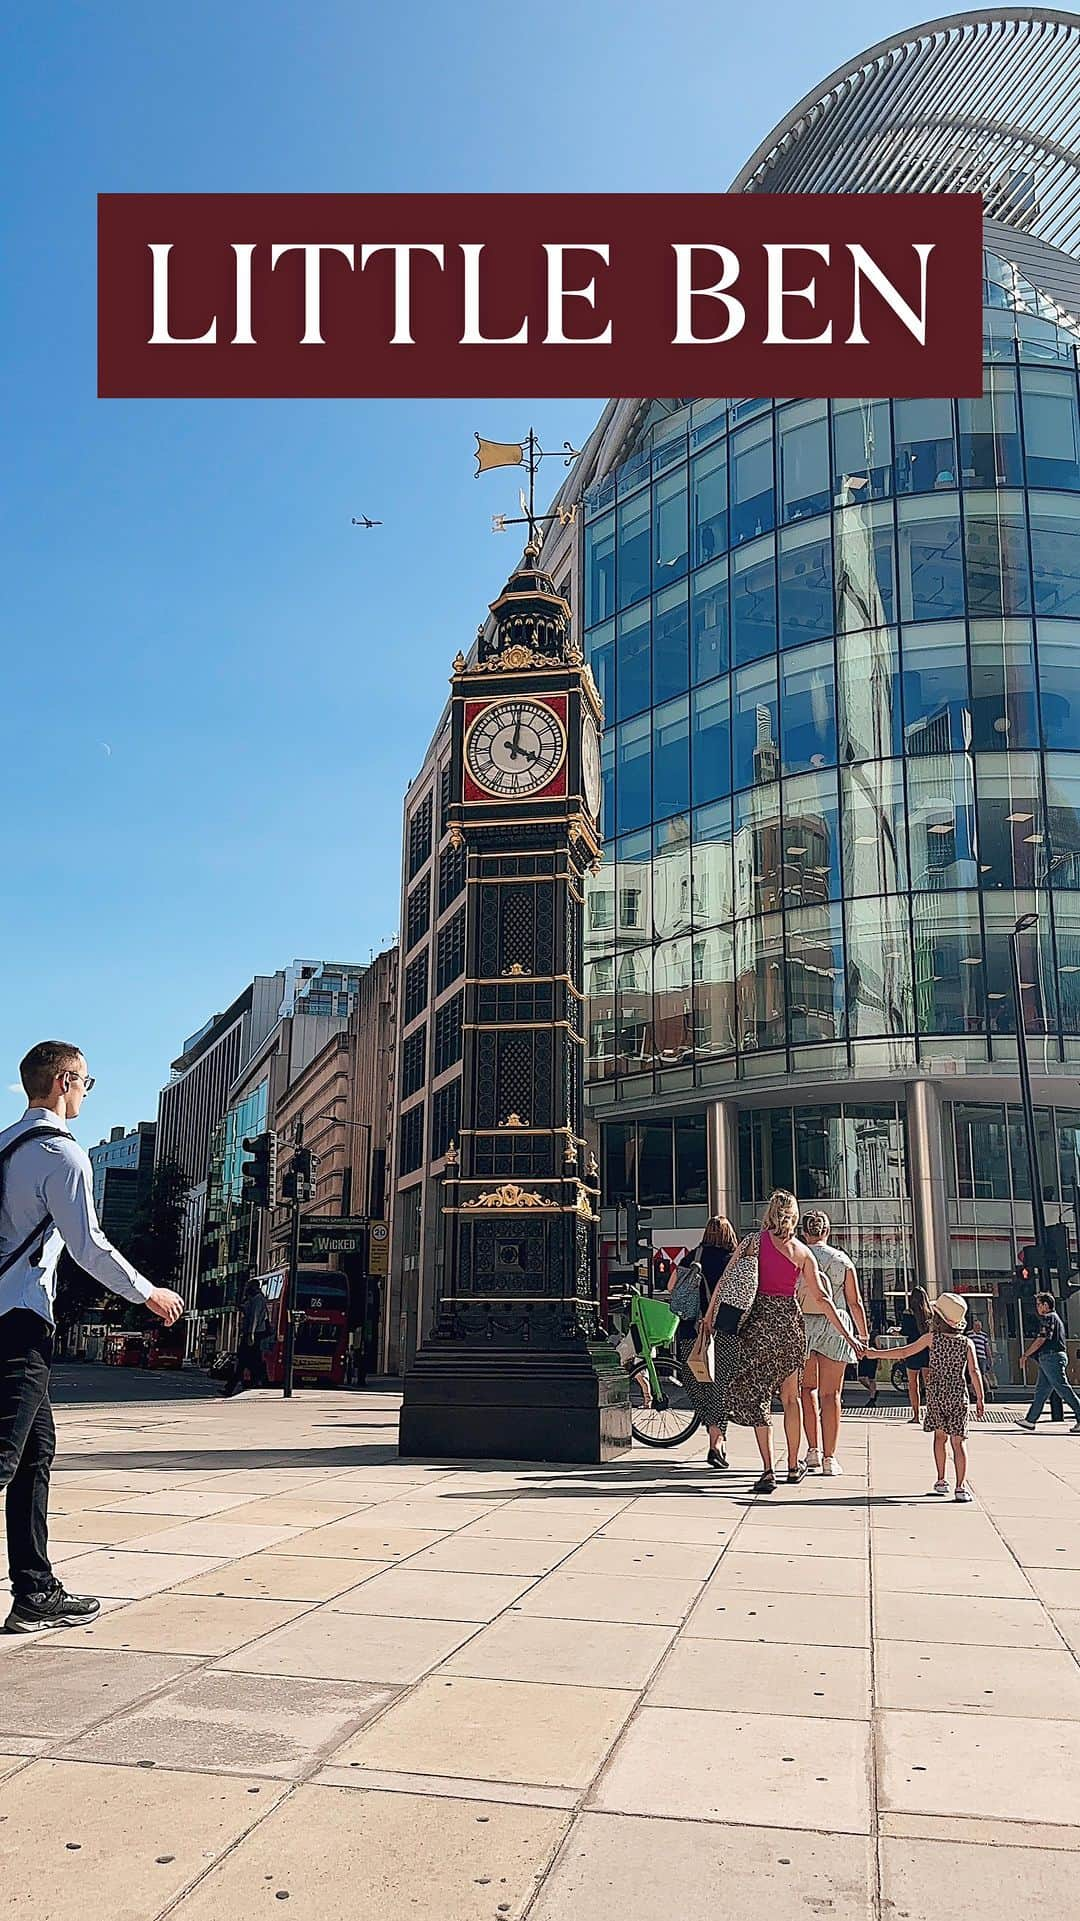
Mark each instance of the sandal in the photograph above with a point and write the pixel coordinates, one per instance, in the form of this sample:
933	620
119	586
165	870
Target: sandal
796	1474
716	1457
766	1484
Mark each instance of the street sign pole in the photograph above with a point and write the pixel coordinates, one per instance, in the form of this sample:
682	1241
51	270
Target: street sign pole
294	1265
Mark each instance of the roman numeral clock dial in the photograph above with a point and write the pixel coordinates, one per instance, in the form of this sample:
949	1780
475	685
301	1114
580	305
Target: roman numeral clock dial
515	748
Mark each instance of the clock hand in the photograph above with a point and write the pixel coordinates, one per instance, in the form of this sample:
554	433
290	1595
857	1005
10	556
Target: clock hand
514	749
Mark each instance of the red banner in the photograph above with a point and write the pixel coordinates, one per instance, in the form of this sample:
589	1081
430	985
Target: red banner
575	295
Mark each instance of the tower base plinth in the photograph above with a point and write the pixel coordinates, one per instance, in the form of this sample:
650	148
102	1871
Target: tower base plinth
569	1406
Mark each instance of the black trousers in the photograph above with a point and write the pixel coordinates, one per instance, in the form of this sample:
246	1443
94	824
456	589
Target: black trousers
27	1446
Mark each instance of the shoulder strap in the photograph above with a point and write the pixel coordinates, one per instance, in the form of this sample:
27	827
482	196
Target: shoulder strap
36	1233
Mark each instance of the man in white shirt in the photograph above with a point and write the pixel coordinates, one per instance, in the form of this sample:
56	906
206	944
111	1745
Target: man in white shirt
46	1204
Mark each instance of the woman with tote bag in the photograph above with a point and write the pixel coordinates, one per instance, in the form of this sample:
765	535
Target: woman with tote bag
705	1267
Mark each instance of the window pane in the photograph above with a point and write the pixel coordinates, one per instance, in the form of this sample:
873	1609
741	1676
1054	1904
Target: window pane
930	560
759	964
673	1017
755	752
1012	851
982	1154
600	653
1063	820
670	642
753	601
714	993
691	1171
865	568
600	570
632	662
819	1154
1051	428
868	685
875	840
633	890
1001	913
1003	705
620	1162
878	968
1055	554
752	508
656	1173
808	708
995	552
671	758
1059	685
990	434
815	975
811	841
633	1011
937	707
757	850
862	449
713	875
635	572
709	494
925	455
671	877
950	982
709	621
806	583
941	822
1067	931
632	774
711	740
803	438
671	545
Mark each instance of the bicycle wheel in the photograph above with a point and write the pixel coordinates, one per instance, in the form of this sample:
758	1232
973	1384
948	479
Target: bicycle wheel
898	1377
670	1420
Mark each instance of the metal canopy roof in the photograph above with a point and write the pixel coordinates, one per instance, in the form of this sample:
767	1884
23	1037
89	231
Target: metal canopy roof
986	101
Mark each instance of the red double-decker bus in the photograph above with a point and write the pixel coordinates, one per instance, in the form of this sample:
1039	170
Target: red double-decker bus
322	1338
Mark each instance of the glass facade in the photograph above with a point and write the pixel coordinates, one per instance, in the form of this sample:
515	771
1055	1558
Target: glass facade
837	644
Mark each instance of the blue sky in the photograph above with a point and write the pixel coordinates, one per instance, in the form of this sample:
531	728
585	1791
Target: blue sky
214	689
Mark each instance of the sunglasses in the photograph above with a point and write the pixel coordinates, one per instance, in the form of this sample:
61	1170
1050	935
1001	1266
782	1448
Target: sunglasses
86	1079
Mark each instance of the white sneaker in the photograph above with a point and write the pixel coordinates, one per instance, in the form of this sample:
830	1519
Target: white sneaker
940	1487
812	1461
1025	1423
830	1465
962	1494
1075	1428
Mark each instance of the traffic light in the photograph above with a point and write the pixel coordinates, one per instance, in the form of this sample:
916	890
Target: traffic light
1027	1273
298	1183
258	1170
1059	1258
639	1239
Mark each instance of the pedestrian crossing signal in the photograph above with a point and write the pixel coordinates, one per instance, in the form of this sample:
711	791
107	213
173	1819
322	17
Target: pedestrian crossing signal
258	1170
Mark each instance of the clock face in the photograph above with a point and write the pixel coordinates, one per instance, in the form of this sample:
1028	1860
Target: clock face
514	748
590	767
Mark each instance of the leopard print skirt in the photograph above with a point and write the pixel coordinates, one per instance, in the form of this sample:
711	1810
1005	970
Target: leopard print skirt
773	1341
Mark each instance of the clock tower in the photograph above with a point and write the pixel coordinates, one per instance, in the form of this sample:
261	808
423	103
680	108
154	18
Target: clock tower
516	1364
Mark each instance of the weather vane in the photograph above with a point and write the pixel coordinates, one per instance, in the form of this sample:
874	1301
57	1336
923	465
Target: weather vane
526	453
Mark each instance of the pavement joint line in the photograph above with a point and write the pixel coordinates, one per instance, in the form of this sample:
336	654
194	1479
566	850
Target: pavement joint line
589	1790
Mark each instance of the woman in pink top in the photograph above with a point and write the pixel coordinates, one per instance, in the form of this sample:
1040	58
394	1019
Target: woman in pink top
773	1338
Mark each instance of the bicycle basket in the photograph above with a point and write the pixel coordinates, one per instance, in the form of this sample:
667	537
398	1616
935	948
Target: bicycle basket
657	1322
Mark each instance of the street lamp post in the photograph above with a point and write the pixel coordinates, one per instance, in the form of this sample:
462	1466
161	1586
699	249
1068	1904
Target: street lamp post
1038	1212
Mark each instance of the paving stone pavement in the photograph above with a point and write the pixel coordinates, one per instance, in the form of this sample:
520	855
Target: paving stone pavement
370	1687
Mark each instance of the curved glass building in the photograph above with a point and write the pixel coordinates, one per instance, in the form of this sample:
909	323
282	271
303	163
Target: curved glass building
839	650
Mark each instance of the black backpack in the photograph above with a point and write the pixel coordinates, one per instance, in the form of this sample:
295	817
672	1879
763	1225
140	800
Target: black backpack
39	1232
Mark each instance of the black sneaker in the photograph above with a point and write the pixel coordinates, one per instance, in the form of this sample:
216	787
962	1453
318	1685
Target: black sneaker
766	1483
796	1474
54	1609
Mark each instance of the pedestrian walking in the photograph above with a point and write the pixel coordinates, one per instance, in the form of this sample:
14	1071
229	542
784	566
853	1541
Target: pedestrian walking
952	1365
984	1354
250	1359
46	1204
868	1368
717	1246
827	1353
914	1323
1049	1350
773	1337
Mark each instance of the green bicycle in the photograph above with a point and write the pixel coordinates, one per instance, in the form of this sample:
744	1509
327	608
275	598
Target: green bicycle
662	1411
